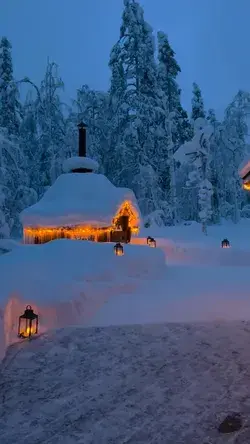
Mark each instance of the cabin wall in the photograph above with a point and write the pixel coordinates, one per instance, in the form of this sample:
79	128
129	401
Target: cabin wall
95	236
123	236
105	236
120	232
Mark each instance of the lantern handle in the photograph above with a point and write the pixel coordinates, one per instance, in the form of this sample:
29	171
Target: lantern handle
28	307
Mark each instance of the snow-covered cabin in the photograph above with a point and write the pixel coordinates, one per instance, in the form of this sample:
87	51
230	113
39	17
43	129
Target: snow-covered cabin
82	204
244	173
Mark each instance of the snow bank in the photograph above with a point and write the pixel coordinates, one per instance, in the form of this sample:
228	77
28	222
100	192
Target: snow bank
66	281
187	294
76	162
76	199
9	244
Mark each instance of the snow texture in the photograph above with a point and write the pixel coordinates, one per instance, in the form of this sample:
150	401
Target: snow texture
84	199
153	384
79	162
189	150
66	281
9	244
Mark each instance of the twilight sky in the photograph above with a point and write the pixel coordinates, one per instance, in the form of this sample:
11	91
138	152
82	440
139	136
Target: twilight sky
210	37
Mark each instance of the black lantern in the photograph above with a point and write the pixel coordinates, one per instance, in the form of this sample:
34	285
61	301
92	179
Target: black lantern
118	249
225	243
151	242
28	323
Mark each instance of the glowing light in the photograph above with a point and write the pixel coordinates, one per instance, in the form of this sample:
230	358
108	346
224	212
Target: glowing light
246	186
151	242
118	249
225	243
28	323
41	235
127	209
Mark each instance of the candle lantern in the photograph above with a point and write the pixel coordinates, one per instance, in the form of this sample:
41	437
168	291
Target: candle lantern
28	323
151	241
118	249
225	243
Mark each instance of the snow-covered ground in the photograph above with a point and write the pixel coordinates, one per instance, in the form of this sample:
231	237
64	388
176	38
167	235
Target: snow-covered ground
83	283
128	384
149	384
66	281
203	282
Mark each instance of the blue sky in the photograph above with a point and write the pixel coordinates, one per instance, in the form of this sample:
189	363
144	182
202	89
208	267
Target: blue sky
210	37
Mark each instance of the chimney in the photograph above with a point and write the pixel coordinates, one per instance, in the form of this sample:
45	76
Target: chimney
80	163
82	128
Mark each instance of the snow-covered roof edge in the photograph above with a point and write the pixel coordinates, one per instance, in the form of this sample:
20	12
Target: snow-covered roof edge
76	162
244	169
58	207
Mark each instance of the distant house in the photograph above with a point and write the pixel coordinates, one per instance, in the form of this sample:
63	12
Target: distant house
83	205
244	173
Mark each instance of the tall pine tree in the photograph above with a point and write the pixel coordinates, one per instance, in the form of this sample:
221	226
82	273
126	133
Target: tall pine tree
10	107
134	67
197	103
175	123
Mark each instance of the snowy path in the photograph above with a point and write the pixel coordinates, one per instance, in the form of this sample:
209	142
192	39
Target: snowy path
185	294
135	385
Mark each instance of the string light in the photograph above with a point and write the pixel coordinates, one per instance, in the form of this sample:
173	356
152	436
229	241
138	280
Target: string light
246	186
44	234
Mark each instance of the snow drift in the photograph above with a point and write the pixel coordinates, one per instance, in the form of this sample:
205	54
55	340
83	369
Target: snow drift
65	281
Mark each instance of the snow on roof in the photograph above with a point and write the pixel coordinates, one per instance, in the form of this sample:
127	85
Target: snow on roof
76	162
244	170
78	199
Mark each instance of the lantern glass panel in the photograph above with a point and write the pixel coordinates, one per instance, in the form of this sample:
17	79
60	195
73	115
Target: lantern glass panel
152	243
118	248
28	324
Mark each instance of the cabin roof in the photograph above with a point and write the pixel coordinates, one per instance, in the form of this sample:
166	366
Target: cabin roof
78	199
244	169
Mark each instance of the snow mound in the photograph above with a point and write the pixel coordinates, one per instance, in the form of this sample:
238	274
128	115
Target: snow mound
78	199
66	281
9	244
76	162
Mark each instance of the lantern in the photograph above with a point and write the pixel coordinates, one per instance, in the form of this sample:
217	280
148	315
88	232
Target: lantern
225	243
118	249
28	323
151	242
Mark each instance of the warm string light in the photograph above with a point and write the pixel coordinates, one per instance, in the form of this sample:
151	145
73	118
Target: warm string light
246	186
44	234
127	209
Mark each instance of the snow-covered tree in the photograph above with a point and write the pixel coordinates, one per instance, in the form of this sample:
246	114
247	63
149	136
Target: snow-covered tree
198	153
50	124
92	109
197	103
10	107
174	119
234	132
134	72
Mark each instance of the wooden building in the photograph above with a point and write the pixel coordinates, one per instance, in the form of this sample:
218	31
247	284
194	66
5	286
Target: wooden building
82	204
245	175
